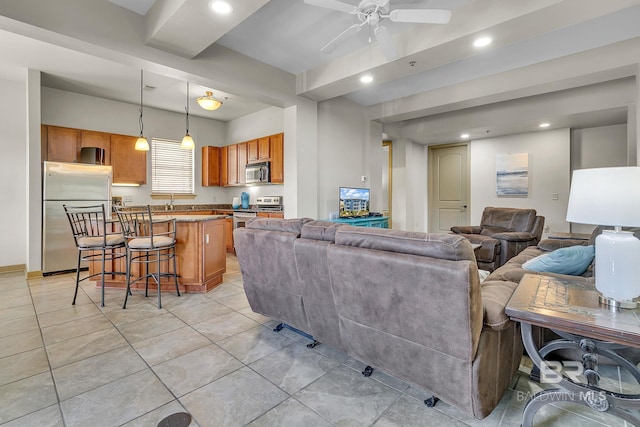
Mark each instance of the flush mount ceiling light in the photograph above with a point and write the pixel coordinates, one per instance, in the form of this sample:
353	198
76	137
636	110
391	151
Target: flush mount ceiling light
141	143
209	102
544	125
187	141
221	7
464	136
366	78
482	41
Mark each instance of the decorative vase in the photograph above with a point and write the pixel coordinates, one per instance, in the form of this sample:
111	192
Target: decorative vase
235	204
245	200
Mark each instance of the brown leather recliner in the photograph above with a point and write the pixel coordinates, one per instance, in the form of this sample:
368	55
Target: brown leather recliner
502	234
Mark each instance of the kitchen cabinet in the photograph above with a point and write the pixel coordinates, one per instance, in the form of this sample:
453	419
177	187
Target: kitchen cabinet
228	235
235	157
270	215
211	164
91	138
259	150
242	163
129	165
62	144
277	158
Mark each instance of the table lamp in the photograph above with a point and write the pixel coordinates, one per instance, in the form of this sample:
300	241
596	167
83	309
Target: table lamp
611	196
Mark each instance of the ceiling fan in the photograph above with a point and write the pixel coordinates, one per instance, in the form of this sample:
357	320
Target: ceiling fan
371	12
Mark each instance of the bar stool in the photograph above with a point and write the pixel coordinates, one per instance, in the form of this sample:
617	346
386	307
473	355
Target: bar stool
148	241
90	228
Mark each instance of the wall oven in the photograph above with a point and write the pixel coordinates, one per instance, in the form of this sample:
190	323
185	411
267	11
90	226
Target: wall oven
241	218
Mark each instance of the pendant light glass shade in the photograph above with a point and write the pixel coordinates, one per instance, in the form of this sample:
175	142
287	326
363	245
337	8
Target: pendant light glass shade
141	143
209	102
187	141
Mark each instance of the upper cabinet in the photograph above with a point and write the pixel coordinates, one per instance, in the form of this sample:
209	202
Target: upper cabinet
235	157
277	158
60	144
91	138
210	166
129	165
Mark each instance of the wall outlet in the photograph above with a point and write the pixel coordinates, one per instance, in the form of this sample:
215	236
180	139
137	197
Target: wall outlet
127	198
554	196
363	178
546	228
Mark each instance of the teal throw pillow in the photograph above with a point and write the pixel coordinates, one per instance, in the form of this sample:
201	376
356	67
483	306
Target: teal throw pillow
573	260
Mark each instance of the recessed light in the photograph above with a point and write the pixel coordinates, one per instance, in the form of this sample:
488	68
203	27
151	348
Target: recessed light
221	7
544	125
367	78
464	136
482	41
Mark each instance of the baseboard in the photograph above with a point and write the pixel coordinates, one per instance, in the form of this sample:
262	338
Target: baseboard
37	274
12	268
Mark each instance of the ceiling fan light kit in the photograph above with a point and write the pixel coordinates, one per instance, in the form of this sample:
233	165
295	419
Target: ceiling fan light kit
209	102
372	12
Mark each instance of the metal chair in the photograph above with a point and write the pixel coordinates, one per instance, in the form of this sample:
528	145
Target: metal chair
91	233
148	241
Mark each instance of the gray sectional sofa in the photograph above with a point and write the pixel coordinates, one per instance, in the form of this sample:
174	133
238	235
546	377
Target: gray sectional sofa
408	303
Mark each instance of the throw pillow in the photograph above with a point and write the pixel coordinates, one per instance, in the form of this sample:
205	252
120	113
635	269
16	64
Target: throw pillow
573	260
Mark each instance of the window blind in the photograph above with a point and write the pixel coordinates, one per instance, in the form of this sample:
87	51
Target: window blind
172	167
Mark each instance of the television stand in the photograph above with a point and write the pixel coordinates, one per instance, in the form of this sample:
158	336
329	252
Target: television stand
366	221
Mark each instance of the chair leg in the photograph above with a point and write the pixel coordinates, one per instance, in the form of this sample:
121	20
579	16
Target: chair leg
77	277
102	278
146	280
128	272
158	281
175	272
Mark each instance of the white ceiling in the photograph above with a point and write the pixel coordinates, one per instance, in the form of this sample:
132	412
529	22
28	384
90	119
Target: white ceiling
268	53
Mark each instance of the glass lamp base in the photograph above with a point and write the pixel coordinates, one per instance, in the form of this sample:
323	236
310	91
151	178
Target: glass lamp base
629	305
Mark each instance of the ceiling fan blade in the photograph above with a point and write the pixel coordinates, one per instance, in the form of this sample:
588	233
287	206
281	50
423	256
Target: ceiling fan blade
386	43
333	4
328	48
421	16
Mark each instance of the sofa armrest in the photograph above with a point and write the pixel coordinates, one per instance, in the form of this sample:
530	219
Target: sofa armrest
550	245
514	236
466	229
495	296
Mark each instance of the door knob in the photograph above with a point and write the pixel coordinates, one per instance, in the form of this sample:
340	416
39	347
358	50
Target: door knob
464	206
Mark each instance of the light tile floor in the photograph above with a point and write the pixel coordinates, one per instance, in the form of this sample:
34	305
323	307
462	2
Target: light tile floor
206	354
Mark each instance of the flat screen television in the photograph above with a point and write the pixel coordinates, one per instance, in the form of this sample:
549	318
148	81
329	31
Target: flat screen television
354	202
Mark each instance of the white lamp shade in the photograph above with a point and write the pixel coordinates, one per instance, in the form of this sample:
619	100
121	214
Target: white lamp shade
209	102
605	196
187	143
142	144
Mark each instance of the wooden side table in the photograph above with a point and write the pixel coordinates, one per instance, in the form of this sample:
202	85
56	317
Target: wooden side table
571	310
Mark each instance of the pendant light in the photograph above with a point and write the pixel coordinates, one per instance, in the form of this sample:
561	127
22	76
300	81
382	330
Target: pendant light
187	141
141	143
209	102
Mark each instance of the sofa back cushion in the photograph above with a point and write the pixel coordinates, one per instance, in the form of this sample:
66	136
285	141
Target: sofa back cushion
508	219
320	230
435	245
277	224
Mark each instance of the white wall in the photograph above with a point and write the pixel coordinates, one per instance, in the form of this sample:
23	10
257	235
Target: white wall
13	178
61	108
343	134
548	174
599	147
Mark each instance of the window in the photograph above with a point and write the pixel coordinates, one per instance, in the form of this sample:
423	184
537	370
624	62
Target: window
171	168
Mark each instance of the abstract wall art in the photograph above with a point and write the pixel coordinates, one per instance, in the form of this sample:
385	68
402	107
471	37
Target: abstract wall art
512	174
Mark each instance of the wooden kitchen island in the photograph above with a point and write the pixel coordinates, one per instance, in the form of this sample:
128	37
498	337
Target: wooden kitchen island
200	256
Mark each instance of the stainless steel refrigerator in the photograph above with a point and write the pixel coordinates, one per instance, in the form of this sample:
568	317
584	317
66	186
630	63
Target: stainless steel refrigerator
71	184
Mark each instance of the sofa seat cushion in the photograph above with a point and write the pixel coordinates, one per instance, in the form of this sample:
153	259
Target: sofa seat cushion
495	296
573	260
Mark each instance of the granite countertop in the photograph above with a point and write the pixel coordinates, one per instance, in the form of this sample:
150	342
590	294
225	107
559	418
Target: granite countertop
189	218
177	209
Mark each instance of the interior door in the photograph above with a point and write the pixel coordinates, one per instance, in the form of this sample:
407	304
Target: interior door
449	187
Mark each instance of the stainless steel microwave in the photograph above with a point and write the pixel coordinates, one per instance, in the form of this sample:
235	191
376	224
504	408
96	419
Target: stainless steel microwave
257	172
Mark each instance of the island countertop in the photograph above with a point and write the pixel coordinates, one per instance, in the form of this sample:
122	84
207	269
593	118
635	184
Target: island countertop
190	218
